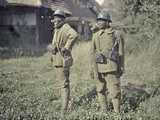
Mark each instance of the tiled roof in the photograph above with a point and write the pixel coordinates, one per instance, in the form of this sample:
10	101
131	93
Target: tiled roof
79	11
57	4
52	4
66	5
35	3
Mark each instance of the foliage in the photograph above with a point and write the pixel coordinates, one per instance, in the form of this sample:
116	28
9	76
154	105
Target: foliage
29	90
142	41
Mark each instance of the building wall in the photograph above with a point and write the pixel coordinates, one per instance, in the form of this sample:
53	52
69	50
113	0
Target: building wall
17	26
25	26
45	25
17	16
18	19
17	36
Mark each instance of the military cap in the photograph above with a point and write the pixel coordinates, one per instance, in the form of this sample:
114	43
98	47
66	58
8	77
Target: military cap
59	13
104	16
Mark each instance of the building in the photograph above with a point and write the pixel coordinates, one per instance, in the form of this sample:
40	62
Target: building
81	18
20	23
26	23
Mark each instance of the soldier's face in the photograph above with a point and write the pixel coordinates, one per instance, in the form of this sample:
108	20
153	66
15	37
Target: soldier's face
58	21
101	24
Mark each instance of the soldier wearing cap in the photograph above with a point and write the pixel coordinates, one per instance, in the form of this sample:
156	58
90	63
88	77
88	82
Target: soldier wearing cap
107	61
64	37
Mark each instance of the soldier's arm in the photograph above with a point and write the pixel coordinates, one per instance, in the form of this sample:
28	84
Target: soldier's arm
53	47
92	53
71	37
94	68
54	39
121	50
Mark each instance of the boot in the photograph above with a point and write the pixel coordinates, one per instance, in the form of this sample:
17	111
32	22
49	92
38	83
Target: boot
65	100
102	101
116	105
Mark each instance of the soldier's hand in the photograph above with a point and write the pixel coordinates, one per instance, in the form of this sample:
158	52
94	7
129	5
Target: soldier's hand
121	71
64	51
51	49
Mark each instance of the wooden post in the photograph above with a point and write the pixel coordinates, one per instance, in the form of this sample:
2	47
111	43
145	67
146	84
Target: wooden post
37	28
80	28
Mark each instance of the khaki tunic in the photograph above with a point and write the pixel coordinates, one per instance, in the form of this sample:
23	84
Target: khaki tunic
102	41
108	86
63	38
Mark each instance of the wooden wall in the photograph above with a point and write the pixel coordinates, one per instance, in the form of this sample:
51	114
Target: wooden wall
24	27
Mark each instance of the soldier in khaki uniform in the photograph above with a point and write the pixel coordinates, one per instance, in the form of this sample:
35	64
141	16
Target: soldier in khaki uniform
64	37
107	61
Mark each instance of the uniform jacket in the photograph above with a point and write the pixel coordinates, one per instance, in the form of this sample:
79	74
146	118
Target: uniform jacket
63	38
103	41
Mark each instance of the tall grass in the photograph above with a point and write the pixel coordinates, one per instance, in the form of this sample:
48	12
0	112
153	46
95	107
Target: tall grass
29	90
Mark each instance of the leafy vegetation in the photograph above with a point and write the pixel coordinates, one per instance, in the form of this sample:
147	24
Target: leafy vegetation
29	90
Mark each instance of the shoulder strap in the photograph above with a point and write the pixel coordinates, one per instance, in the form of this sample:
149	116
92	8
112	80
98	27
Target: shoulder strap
115	40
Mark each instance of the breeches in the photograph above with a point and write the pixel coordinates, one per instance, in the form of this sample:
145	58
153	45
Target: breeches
110	84
62	75
63	78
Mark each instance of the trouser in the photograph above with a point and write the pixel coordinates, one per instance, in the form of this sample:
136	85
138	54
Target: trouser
108	87
63	77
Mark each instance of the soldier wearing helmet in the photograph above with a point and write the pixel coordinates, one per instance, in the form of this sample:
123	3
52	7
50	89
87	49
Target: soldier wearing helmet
107	61
64	37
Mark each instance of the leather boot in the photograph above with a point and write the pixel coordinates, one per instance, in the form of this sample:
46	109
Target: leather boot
102	102
65	100
116	105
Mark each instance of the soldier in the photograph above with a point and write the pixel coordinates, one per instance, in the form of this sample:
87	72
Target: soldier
64	37
107	61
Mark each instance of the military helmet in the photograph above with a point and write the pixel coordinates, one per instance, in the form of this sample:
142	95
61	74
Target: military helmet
104	16
59	13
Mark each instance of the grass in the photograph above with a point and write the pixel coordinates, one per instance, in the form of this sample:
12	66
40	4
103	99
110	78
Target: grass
29	90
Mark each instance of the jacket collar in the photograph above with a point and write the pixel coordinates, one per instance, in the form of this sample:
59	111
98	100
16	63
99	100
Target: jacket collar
106	30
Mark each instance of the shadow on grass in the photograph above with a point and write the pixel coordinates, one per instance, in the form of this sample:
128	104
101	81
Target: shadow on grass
86	98
131	97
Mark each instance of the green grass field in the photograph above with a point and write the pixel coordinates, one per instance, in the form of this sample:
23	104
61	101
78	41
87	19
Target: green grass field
29	90
28	86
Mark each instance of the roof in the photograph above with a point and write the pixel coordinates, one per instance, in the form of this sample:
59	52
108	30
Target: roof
36	3
82	12
69	7
52	4
66	5
57	4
